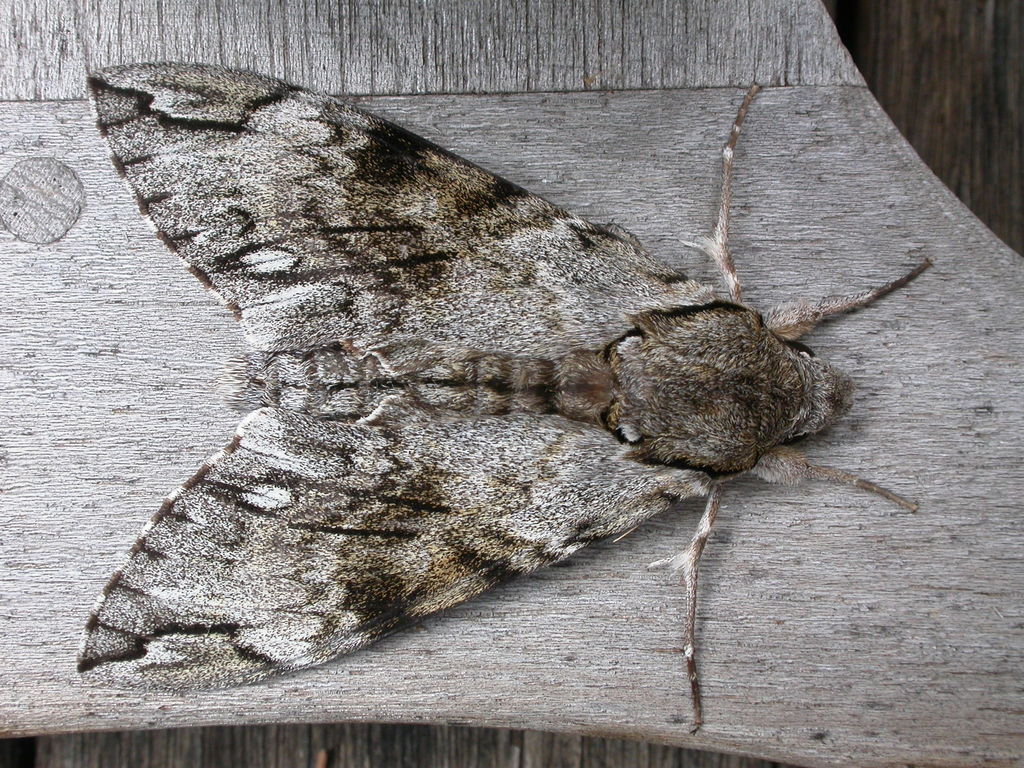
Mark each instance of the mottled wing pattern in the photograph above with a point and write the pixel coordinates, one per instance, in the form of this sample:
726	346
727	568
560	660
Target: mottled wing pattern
316	222
357	253
307	538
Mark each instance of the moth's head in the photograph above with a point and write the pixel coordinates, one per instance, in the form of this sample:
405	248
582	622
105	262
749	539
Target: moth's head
710	387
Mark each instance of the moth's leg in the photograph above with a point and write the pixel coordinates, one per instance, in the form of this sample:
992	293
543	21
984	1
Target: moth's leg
717	246
786	466
690	576
795	318
688	561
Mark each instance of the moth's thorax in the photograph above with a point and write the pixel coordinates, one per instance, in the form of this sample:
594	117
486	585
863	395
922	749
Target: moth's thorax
710	387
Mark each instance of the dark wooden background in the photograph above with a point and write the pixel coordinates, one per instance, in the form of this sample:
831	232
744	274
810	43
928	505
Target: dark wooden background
950	73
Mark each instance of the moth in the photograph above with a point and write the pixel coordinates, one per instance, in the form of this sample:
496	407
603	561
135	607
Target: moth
452	381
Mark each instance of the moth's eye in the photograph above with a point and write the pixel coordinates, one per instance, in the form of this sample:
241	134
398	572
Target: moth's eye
611	350
795	438
627	433
799	347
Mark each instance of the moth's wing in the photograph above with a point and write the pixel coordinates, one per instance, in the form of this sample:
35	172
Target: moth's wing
308	538
316	222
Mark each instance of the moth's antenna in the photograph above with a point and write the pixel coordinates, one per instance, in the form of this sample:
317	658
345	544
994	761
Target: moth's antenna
793	319
717	246
785	466
818	472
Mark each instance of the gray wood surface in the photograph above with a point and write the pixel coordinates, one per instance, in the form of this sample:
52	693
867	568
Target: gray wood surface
835	628
416	46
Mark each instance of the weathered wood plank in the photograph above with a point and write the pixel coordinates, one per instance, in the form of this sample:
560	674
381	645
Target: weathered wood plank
834	629
430	47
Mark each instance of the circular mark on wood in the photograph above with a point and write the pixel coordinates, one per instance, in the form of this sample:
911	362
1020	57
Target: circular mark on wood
40	200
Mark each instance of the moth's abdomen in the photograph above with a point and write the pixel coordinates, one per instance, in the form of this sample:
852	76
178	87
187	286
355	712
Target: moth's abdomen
493	384
344	382
328	382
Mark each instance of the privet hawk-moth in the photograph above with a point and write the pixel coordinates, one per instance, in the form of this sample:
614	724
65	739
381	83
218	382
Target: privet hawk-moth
452	381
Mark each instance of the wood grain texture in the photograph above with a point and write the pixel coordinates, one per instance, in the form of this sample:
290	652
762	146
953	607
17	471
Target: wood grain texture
367	746
835	629
951	76
410	46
